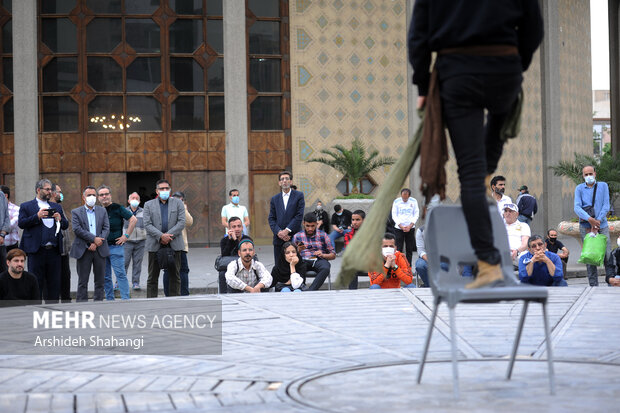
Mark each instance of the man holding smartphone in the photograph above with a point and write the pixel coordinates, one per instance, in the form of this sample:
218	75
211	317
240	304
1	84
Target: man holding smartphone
42	239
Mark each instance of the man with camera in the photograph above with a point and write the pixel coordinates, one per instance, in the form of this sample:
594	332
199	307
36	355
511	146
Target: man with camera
42	240
592	206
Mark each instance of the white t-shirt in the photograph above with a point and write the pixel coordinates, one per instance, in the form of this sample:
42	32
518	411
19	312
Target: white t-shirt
232	210
515	231
502	203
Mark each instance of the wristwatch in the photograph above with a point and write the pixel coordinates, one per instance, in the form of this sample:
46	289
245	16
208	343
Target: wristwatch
126	235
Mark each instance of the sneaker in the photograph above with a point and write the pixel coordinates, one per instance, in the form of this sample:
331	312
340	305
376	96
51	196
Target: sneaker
116	286
136	286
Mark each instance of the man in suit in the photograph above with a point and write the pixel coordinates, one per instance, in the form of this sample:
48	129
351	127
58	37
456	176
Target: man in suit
164	220
286	212
42	222
91	228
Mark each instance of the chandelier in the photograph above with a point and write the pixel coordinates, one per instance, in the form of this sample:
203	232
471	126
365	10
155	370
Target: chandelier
115	122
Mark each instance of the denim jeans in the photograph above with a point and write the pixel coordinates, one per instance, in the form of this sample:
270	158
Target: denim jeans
288	290
334	235
116	261
523	218
421	268
183	273
592	269
378	287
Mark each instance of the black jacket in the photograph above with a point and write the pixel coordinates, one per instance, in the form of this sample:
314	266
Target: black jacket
441	24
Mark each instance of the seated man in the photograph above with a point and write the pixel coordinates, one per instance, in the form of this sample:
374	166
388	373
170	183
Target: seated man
316	249
357	219
537	265
341	223
558	247
421	264
229	246
18	287
246	274
518	232
395	267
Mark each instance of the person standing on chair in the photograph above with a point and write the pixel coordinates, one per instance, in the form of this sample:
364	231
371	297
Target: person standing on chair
591	206
405	213
483	46
286	210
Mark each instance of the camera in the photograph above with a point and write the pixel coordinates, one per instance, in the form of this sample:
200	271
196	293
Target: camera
51	212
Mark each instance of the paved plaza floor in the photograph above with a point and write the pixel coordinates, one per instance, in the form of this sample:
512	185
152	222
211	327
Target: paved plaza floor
341	351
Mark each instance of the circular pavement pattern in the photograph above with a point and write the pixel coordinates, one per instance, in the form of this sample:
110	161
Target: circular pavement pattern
483	388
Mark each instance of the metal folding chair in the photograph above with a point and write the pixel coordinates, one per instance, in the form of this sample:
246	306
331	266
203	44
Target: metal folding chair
447	241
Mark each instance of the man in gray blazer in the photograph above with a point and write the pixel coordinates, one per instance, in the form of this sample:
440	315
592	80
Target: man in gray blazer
91	227
164	220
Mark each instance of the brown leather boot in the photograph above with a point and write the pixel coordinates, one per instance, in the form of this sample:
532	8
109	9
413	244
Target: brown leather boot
487	274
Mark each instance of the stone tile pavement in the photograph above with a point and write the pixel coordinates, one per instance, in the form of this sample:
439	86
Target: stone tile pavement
344	351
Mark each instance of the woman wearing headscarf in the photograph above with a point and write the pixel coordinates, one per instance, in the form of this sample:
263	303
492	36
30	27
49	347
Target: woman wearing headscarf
289	273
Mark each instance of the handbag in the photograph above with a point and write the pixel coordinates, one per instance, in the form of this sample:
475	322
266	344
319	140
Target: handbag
165	257
593	251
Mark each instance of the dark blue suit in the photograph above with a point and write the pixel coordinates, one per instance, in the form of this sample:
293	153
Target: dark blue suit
44	262
280	218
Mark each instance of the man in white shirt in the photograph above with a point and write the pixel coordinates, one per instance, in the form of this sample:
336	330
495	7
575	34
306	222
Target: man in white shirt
518	232
235	210
405	213
246	274
498	186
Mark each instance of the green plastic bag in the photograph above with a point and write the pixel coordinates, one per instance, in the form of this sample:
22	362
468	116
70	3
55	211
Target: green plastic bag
593	251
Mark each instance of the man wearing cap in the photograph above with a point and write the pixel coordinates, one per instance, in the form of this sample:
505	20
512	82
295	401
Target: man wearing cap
518	232
246	274
527	205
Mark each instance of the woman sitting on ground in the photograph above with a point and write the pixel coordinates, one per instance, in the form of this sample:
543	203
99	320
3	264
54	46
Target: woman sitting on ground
289	273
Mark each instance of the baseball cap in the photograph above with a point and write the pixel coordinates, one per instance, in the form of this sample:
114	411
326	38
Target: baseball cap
512	207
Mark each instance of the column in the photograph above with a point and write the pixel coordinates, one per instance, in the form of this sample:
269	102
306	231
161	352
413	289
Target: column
614	73
25	99
236	98
552	211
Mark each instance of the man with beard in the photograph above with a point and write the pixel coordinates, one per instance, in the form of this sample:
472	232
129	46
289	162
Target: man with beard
316	249
286	210
18	285
498	187
554	245
42	222
246	274
357	219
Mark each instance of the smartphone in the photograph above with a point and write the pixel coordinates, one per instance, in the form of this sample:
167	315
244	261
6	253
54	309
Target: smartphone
51	212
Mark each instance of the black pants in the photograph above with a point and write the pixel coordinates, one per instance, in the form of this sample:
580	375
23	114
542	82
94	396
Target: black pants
65	279
45	264
405	240
174	279
3	252
90	260
477	144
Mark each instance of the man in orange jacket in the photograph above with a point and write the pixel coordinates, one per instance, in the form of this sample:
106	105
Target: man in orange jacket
395	267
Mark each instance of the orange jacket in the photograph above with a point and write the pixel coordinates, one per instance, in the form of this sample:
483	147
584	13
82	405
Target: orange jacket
402	273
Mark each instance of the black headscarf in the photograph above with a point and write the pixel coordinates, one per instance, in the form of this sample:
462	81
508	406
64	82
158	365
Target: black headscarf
283	267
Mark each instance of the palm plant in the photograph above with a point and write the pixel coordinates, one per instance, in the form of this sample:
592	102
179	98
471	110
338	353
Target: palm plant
353	163
607	170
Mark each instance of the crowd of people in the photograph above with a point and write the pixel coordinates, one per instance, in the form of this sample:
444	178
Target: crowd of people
108	237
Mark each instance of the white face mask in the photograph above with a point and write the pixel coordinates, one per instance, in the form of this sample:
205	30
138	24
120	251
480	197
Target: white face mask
134	203
90	200
387	251
590	179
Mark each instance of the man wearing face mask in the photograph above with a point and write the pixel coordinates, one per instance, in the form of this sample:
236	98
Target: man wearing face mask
90	247
322	219
134	247
235	210
164	220
396	269
341	223
42	222
65	269
498	186
591	206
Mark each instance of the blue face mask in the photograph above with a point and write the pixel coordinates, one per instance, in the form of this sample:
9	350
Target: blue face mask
235	200
61	197
164	195
590	179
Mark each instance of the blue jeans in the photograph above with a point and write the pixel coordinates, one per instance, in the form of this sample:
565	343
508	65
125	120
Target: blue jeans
334	235
116	261
523	218
421	268
288	290
609	267
378	287
183	273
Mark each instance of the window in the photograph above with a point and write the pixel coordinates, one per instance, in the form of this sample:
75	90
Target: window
366	186
6	67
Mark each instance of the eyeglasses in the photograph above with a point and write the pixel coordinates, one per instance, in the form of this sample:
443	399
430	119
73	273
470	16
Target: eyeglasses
106	194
